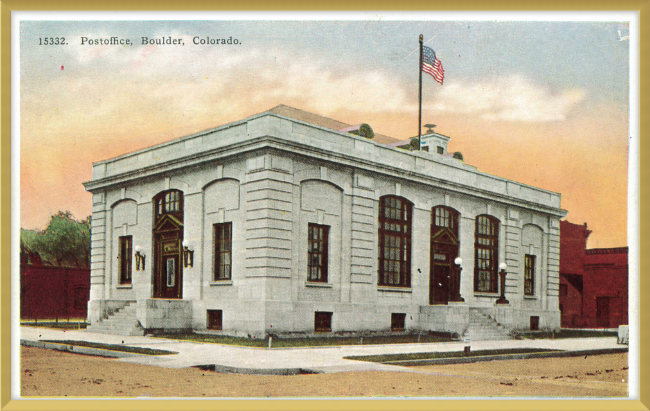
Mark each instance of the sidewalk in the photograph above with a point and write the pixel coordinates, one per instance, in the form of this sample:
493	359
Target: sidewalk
254	360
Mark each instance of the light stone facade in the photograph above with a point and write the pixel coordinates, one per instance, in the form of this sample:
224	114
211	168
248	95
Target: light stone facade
270	176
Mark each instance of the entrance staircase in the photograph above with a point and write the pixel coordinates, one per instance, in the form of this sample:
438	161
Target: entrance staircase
122	322
482	327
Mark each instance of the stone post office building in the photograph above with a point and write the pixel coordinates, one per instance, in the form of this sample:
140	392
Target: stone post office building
279	223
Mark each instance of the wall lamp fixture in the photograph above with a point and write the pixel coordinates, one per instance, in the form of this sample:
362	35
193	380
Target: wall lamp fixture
188	255
139	258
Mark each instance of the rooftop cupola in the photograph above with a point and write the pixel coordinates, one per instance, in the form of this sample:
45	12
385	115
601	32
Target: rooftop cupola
434	142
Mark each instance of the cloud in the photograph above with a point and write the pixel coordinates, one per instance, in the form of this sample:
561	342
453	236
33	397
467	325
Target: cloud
211	85
513	98
312	83
163	81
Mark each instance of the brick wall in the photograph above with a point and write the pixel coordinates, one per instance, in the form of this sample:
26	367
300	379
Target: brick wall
53	292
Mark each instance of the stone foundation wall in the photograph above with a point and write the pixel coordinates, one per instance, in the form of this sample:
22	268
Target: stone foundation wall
169	315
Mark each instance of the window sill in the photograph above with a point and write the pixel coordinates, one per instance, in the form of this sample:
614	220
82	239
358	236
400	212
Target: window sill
530	297
318	285
394	289
124	286
220	282
484	294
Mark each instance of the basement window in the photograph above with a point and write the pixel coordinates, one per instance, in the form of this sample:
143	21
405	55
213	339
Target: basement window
323	322
534	323
397	321
215	319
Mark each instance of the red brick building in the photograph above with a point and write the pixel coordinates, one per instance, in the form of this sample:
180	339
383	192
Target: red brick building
593	282
605	279
52	293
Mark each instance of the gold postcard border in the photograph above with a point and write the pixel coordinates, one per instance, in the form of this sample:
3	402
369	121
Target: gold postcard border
641	6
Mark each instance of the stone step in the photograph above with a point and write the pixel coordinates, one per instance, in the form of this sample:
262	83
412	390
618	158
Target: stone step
122	322
483	327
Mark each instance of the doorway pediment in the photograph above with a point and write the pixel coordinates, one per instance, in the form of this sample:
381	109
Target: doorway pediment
168	223
445	236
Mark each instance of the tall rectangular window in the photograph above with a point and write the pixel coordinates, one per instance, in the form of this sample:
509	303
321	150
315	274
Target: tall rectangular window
126	259
529	274
317	251
222	251
394	241
486	247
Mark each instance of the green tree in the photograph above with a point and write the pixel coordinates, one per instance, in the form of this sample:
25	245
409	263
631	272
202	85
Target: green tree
64	243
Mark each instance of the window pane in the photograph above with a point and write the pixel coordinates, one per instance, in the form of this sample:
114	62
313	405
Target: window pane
317	252
486	235
529	274
171	272
125	259
394	231
223	251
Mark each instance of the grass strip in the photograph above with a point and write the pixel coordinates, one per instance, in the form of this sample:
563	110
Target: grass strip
388	358
59	325
567	334
112	347
307	342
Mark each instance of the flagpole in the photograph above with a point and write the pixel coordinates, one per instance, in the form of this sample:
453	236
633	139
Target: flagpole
420	102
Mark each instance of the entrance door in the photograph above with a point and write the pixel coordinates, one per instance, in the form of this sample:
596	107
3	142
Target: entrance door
602	312
439	284
168	279
167	240
443	251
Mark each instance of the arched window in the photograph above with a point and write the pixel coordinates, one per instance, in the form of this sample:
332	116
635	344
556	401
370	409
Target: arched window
486	247
168	202
394	241
445	218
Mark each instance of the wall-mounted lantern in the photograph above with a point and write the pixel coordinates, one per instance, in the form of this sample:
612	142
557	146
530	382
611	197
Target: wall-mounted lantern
188	255
502	273
139	258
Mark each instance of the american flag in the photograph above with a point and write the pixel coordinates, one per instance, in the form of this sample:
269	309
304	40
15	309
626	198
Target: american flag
431	64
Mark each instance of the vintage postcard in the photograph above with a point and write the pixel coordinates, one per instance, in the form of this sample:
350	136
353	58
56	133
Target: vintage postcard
335	205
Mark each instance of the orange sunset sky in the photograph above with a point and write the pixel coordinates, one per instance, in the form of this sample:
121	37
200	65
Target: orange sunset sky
542	103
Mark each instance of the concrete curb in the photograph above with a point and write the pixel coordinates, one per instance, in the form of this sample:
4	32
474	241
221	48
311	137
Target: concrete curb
466	360
100	352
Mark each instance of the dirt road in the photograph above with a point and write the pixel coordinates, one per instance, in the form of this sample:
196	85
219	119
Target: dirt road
46	373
